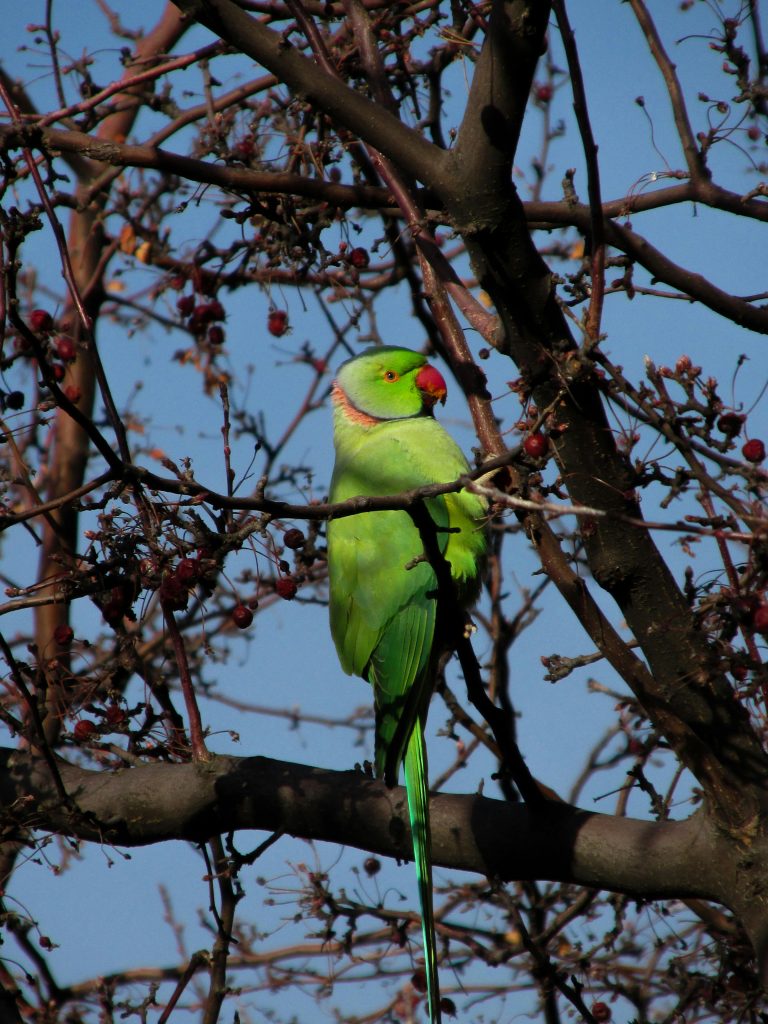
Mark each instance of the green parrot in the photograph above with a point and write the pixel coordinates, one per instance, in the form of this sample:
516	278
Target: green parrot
383	591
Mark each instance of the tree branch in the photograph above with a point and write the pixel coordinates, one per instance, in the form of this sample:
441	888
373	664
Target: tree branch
149	804
370	121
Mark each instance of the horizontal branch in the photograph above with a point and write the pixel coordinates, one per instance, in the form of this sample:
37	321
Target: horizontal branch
660	266
245	180
233	179
156	803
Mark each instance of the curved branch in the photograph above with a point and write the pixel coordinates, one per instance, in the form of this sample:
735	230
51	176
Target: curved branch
149	804
623	238
236	179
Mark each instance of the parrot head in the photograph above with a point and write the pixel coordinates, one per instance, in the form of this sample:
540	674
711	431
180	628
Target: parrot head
389	383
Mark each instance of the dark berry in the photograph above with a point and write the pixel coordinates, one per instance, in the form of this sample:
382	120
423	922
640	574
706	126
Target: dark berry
244	149
359	258
242	616
277	322
84	729
536	445
753	450
174	593
372	866
419	980
286	587
187	570
760	619
202	315
40	320
185	304
115	715
15	400
65	349
63	635
216	335
730	424
293	539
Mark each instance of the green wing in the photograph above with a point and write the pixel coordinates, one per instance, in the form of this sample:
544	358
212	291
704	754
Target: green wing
383	599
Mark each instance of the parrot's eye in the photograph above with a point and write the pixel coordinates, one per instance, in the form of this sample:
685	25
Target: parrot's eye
390	375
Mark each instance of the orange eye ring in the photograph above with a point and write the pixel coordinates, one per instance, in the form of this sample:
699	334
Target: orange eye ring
390	376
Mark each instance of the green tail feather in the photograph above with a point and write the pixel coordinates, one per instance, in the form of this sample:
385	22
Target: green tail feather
417	785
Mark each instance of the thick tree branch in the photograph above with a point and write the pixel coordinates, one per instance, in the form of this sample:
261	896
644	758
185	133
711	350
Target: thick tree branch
155	803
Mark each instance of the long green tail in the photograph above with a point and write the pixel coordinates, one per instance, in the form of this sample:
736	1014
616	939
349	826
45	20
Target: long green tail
417	786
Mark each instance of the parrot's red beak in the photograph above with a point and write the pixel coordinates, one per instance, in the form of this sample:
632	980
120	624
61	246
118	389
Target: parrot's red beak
430	383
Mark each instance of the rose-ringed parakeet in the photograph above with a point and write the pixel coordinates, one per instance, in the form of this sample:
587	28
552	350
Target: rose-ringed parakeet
383	590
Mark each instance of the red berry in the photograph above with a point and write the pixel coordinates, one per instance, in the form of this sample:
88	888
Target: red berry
58	372
15	400
372	866
601	1012
216	335
187	570
753	450
293	539
63	635
40	320
73	393
204	313
113	611
244	149
359	258
242	616
419	980
185	304
84	729
448	1006
65	349
286	587
115	715
760	619
536	445
277	322
543	93
753	132
730	423
174	593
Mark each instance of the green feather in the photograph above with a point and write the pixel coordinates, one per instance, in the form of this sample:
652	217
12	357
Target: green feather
383	593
